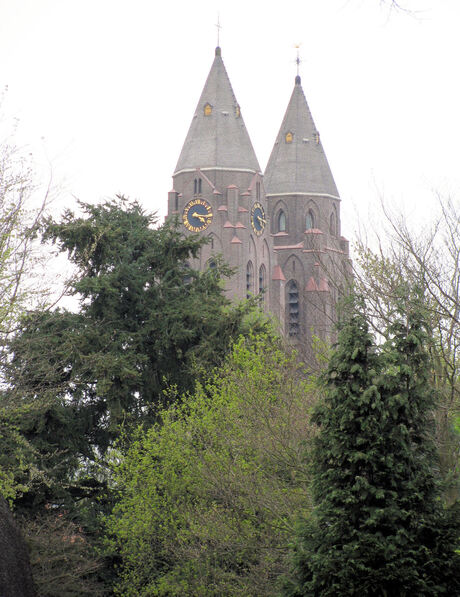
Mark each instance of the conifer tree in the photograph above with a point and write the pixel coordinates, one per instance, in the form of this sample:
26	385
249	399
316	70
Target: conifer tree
378	527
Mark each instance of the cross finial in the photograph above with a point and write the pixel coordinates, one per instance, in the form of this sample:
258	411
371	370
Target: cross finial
219	27
298	59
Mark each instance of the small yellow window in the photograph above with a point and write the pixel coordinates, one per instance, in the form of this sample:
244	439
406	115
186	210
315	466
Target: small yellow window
289	137
207	110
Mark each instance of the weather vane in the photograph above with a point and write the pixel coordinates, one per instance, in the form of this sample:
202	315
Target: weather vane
219	27
298	60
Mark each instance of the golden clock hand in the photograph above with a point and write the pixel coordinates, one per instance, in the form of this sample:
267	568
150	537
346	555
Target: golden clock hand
261	220
201	217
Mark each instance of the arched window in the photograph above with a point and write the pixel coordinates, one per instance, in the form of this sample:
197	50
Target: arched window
281	221
309	220
262	281
293	309
211	263
199	186
333	224
249	279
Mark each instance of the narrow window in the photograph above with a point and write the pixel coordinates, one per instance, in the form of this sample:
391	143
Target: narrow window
195	186
332	225
199	186
249	279
309	220
176	202
293	311
262	281
281	221
258	190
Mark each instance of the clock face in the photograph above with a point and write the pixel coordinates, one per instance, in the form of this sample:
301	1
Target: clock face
197	215
258	218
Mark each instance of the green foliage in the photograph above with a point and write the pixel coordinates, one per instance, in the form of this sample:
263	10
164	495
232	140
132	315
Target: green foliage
429	259
208	496
18	287
146	321
379	526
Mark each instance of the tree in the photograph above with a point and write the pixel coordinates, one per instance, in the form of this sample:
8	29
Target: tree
208	497
430	259
22	207
145	321
379	527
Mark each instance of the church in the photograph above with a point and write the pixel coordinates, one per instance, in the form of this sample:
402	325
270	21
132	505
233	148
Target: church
280	230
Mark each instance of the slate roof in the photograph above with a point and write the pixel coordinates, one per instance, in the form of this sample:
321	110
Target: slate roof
219	139
299	166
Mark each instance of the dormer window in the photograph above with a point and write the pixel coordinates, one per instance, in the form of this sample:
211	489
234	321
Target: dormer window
281	221
207	109
289	137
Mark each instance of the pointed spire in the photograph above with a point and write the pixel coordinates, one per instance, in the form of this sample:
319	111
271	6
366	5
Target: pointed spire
298	164
217	136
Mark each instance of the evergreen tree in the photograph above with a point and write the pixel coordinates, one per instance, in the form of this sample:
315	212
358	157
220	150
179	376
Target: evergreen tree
146	321
378	527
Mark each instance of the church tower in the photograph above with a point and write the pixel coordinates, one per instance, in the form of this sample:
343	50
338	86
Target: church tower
283	241
218	189
304	214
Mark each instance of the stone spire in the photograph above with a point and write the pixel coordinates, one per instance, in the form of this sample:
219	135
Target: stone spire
298	164
217	137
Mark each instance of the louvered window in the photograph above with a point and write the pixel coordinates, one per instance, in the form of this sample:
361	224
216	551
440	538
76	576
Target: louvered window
293	309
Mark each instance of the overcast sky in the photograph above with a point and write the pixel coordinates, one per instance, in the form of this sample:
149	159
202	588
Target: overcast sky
105	90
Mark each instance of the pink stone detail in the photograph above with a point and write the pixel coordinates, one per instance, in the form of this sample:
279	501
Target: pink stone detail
222	208
240	225
313	231
228	225
311	285
299	246
323	285
278	274
236	241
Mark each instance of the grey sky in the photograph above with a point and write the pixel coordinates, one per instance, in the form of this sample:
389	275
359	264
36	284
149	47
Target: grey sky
112	85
